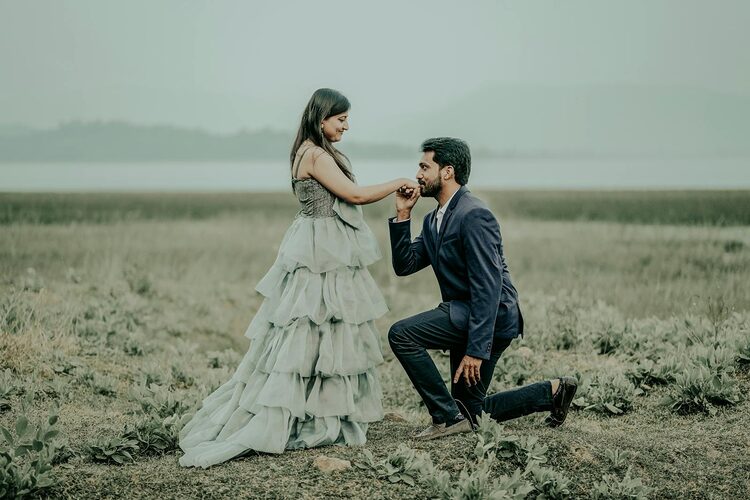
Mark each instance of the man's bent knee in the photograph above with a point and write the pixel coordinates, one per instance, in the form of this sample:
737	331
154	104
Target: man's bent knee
397	334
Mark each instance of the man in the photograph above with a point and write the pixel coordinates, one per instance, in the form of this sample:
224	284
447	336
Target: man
479	315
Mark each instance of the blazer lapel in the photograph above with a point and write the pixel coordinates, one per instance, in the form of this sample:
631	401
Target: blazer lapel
449	211
432	230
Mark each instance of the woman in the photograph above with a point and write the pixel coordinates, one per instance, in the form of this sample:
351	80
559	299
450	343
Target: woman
309	376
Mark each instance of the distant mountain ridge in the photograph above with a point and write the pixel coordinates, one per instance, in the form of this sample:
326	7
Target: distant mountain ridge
121	141
498	120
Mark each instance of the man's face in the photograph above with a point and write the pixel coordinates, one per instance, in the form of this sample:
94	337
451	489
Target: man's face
428	175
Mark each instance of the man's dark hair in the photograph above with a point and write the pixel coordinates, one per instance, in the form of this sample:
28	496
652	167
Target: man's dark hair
451	151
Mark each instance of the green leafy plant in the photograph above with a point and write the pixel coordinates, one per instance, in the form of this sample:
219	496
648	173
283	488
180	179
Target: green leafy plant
647	373
610	339
155	436
16	312
64	365
743	354
512	369
718	360
181	377
116	450
160	401
491	439
132	347
612	488
697	390
139	281
100	384
8	388
609	394
564	333
27	456
547	483
618	458
103	384
220	359
404	465
477	483
57	388
153	372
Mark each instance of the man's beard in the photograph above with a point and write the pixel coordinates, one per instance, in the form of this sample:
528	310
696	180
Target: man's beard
432	189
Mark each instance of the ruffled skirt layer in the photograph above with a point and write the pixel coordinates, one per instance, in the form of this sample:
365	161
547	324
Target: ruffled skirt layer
309	376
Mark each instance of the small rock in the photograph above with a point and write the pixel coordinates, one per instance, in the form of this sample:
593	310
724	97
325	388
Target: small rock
330	464
525	352
392	416
583	454
590	426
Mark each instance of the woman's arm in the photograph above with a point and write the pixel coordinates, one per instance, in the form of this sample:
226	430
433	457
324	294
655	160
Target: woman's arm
327	172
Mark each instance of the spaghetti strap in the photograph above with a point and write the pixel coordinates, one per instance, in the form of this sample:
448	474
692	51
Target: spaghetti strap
295	169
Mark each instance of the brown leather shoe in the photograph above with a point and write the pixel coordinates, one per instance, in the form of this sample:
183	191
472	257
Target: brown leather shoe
436	431
561	401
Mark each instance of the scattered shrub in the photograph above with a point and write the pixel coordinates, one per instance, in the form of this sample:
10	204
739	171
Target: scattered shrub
563	319
618	458
132	347
718	360
16	312
101	384
512	369
743	354
548	484
609	340
646	373
160	401
697	390
57	388
180	376
611	488
476	483
117	450
403	465
155	436
8	388
609	394
222	359
31	281
139	281
27	456
492	440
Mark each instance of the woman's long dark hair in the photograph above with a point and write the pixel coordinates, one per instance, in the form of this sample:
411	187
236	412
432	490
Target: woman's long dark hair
323	104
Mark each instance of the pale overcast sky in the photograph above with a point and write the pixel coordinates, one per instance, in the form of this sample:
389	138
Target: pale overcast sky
224	65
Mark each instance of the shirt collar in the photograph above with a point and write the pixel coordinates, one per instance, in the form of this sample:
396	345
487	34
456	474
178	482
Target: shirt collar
442	209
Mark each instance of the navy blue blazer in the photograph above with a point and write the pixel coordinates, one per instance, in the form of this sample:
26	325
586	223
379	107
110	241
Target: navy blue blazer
468	261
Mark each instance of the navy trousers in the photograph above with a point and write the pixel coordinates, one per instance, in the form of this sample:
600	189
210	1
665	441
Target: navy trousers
411	337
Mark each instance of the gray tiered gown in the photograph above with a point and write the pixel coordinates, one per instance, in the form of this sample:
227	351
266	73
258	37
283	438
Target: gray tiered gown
308	378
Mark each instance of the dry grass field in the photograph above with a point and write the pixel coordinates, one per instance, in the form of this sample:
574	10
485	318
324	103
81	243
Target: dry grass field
119	313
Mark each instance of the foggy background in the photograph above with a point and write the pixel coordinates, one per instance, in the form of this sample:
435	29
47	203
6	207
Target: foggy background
192	95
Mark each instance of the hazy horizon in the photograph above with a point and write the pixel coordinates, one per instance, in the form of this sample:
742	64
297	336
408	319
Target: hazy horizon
669	77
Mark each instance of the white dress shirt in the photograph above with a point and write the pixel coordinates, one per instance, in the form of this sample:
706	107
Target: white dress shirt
441	212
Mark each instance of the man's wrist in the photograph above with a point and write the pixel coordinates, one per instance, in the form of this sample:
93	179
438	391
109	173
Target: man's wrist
402	215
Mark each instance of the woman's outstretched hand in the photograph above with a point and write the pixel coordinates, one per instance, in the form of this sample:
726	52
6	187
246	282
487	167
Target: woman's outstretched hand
406	197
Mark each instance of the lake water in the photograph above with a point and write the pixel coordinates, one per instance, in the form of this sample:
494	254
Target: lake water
726	173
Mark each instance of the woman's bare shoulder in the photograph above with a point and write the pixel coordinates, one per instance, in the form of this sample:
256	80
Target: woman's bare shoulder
309	155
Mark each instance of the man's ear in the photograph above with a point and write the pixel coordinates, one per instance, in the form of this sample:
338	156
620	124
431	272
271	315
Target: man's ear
449	173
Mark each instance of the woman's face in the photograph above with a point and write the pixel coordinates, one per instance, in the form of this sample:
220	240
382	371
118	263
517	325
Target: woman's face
334	126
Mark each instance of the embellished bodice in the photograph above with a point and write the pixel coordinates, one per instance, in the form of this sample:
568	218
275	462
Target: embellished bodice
315	199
